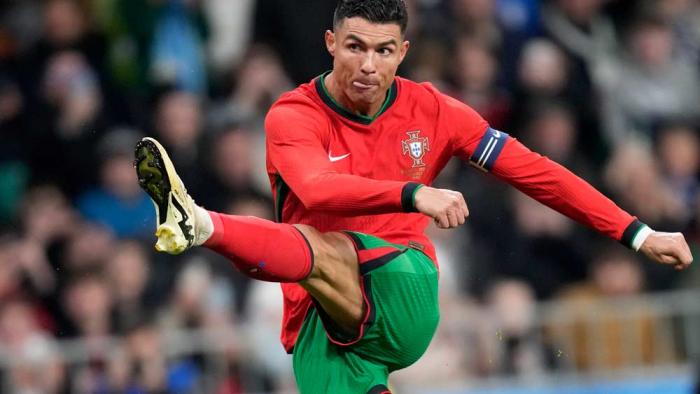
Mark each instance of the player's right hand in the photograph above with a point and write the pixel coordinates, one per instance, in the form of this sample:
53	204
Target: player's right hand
446	207
667	248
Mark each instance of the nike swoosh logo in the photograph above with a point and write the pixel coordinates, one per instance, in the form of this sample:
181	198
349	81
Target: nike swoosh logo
186	229
336	158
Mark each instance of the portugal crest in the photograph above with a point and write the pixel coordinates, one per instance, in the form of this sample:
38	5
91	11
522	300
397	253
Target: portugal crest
416	147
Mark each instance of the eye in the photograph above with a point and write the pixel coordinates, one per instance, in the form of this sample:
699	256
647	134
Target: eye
385	51
354	47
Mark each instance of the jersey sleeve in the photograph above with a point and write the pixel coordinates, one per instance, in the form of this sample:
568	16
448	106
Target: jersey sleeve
491	150
464	126
557	187
295	149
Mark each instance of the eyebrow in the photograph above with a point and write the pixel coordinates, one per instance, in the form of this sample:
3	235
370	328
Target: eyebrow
381	44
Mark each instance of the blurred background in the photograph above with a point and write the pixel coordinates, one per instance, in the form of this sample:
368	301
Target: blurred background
531	302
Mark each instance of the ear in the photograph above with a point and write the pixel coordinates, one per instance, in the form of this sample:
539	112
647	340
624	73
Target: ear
330	42
404	49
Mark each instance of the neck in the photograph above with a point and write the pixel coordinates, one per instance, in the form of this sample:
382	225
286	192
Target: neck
336	92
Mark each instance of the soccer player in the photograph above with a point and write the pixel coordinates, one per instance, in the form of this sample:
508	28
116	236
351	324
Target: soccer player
350	156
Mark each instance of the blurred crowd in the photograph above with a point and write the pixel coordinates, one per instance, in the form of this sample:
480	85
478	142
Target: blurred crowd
608	88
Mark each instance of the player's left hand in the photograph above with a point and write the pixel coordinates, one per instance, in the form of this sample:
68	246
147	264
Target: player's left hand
668	248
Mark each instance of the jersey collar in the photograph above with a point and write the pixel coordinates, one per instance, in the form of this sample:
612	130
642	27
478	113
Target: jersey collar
335	106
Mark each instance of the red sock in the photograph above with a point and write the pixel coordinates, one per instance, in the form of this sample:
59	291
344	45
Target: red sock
261	249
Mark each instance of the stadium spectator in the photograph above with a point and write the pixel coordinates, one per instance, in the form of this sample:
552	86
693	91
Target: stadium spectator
37	367
602	334
510	340
178	122
292	30
671	86
118	203
475	69
128	274
678	151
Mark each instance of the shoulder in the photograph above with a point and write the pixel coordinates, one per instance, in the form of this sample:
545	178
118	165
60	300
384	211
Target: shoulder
443	103
424	93
296	105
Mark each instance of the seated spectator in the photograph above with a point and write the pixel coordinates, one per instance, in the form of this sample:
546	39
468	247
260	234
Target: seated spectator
651	85
597	333
128	274
511	343
634	177
678	152
35	363
476	68
118	203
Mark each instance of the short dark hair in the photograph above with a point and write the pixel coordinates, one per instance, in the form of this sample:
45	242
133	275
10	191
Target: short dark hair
375	11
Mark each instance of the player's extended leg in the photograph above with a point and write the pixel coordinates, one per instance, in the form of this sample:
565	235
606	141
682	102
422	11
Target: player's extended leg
325	264
378	298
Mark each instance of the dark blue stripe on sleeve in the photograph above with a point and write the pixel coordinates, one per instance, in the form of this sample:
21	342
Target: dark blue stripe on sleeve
488	149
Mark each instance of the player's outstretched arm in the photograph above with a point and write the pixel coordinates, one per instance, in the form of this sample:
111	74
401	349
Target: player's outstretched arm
446	207
668	248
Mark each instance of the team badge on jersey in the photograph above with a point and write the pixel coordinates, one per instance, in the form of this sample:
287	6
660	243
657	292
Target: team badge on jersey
416	147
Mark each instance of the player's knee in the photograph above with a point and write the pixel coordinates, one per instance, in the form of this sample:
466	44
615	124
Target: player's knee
329	249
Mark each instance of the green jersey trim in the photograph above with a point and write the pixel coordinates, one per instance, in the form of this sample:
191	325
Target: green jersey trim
335	106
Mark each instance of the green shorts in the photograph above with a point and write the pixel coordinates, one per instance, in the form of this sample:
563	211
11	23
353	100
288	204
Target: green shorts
400	290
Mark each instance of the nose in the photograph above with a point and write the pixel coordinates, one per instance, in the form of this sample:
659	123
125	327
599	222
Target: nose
368	66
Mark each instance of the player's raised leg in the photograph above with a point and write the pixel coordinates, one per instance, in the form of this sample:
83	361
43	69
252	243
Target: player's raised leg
325	264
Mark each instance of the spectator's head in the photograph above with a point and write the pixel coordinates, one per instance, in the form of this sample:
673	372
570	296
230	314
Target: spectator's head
671	9
89	247
429	60
88	300
617	273
476	11
37	368
46	214
17	323
512	303
218	305
580	11
679	151
144	342
543	68
128	271
232	155
651	42
11	100
633	174
551	131
117	173
476	65
191	287
261	78
65	22
145	349
179	119
71	85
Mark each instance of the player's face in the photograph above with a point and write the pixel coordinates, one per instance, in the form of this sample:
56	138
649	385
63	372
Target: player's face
366	56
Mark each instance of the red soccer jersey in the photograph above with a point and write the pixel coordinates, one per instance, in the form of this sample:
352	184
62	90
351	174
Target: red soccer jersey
336	170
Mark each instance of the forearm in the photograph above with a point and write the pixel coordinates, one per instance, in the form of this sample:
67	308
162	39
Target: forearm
350	195
558	188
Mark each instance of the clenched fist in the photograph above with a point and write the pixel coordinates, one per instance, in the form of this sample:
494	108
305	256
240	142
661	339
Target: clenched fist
447	207
668	248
